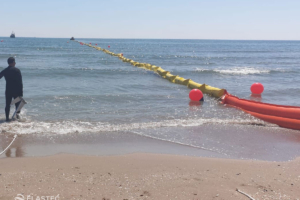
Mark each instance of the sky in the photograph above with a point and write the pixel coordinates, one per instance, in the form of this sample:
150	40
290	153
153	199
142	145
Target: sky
153	19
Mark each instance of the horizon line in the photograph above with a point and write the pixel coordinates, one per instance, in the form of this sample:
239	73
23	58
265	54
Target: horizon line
158	38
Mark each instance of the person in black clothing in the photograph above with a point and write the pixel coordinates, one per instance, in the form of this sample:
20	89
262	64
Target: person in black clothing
14	85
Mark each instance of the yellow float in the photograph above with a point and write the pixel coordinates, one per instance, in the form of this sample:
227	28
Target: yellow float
213	91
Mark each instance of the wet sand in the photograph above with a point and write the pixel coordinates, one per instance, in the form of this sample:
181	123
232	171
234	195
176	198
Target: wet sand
217	141
127	165
147	176
112	143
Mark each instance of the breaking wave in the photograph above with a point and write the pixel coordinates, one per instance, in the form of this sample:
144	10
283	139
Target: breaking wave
242	71
72	126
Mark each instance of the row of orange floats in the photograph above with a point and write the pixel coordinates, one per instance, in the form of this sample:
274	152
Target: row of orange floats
284	116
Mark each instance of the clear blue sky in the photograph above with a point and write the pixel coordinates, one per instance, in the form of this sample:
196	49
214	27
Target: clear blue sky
184	19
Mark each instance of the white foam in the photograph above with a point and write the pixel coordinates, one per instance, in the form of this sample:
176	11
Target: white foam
242	70
61	97
203	70
72	126
236	70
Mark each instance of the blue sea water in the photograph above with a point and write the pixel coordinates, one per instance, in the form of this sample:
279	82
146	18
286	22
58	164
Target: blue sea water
72	88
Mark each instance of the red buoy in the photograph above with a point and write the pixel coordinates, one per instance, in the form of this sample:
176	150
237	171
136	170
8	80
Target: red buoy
257	88
195	95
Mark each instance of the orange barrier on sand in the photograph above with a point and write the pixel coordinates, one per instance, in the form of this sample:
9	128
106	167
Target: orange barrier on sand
280	121
284	116
262	108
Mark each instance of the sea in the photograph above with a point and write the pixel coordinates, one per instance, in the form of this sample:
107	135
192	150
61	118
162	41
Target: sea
74	90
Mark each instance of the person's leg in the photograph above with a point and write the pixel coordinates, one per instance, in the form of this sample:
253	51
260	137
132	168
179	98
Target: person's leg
8	98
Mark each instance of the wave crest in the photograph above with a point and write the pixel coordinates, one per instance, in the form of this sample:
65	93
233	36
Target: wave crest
236	70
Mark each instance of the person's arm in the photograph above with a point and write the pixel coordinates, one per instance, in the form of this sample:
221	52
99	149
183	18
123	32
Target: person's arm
2	73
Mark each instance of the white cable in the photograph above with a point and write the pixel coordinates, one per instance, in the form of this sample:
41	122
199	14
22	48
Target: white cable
9	145
247	195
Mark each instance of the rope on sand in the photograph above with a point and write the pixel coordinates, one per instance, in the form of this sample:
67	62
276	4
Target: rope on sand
15	136
247	195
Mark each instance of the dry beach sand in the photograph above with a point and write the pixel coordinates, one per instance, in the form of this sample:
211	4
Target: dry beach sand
147	176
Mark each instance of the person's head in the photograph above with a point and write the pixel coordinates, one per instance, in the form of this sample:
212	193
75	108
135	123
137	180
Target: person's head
11	61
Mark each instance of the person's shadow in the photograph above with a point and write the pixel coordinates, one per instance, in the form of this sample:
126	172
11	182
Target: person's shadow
16	147
19	152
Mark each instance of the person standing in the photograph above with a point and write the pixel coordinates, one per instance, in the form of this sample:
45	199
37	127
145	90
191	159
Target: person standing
14	85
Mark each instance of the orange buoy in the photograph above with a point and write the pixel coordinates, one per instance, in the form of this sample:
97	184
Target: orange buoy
195	95
257	88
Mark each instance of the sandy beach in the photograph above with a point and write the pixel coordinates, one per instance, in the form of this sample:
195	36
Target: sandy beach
147	176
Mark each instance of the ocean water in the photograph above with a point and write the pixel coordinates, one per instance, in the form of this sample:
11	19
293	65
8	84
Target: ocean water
75	89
